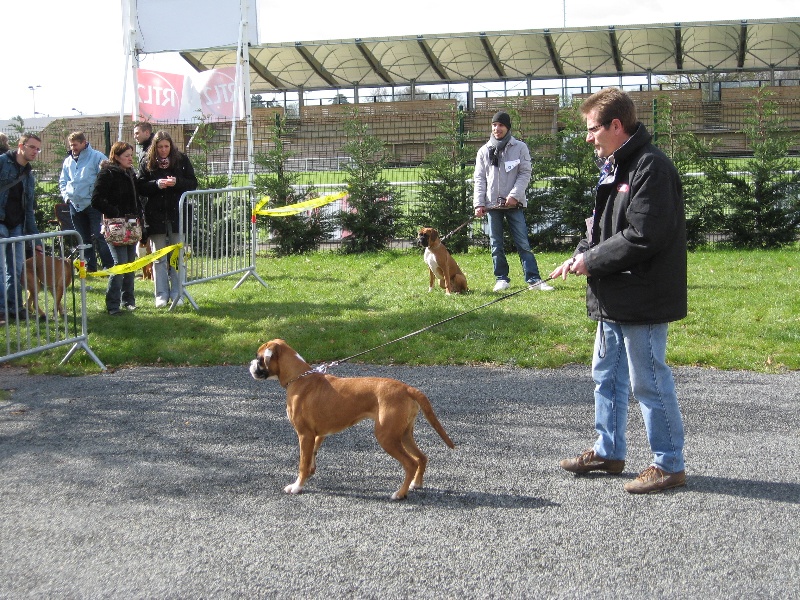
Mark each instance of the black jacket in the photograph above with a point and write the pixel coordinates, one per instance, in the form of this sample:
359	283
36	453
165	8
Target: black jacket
635	249
115	194
162	204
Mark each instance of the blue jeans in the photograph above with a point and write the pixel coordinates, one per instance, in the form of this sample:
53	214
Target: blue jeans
87	222
166	279
633	358
515	217
121	286
12	261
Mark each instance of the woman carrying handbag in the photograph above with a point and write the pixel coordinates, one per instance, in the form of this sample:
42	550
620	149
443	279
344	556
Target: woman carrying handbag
115	196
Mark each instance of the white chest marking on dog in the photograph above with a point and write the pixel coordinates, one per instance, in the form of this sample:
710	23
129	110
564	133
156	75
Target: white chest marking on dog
430	260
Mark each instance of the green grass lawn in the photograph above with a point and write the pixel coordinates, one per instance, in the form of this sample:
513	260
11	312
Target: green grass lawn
744	313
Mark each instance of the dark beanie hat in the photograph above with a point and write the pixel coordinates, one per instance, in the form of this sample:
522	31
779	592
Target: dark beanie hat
502	117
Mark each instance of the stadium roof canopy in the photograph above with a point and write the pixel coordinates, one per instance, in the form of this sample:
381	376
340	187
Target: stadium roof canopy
628	50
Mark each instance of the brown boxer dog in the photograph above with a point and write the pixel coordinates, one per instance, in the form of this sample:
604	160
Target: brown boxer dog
49	273
440	263
318	405
143	250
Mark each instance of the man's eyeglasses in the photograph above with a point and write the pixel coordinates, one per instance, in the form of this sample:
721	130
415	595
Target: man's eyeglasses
596	128
29	147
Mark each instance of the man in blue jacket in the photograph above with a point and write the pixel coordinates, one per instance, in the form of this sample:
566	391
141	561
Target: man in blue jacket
634	258
76	182
17	218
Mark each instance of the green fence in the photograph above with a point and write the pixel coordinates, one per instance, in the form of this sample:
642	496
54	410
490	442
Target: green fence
316	138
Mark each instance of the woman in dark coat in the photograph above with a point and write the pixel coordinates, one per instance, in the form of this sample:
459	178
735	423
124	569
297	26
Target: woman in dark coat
163	177
115	196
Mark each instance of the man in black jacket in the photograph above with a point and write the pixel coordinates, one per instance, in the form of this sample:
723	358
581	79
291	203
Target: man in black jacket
143	134
634	258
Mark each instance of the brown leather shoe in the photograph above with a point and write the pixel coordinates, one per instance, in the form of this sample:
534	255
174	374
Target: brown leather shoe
589	461
653	479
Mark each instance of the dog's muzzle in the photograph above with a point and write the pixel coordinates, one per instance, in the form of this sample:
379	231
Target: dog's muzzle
423	240
258	369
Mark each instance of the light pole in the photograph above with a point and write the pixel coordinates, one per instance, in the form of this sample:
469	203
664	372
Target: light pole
33	88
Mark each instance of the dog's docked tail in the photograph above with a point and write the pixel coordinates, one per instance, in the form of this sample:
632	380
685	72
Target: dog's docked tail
427	410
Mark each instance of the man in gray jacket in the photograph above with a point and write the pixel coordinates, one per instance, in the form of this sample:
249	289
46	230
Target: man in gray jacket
634	258
502	174
78	174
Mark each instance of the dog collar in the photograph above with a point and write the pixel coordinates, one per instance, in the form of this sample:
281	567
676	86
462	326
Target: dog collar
323	368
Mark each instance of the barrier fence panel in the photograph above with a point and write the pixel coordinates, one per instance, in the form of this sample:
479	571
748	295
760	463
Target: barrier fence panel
48	311
219	237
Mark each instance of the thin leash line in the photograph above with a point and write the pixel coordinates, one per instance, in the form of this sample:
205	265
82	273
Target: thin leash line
322	368
464	224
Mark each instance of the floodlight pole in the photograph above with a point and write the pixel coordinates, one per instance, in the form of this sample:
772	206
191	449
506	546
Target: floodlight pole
33	89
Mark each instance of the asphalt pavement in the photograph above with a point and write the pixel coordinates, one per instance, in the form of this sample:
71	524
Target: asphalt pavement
167	483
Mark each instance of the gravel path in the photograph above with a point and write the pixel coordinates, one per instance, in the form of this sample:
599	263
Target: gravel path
167	483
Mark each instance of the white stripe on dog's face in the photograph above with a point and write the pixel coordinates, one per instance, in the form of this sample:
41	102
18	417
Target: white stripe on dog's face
267	358
260	366
298	356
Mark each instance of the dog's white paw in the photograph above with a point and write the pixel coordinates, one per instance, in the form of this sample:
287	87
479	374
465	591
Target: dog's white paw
293	488
430	289
414	486
397	496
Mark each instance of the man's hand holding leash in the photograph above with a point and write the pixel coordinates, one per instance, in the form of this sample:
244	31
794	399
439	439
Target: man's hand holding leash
575	265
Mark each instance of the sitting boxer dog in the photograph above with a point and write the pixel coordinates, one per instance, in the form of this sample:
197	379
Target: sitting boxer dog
440	263
318	405
48	273
142	250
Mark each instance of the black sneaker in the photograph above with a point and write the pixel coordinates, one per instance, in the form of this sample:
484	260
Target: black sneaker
115	312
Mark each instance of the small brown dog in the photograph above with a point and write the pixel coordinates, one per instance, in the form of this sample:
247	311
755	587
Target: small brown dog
318	405
49	273
441	264
142	250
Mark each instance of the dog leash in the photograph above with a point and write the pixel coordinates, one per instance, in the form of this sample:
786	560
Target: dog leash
323	368
464	224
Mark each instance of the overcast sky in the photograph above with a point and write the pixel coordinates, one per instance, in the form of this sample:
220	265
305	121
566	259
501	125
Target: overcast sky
72	52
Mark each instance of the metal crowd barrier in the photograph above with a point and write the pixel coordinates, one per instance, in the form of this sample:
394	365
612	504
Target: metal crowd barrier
219	237
40	322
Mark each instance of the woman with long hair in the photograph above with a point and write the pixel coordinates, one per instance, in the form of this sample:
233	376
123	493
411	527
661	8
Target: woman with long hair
115	195
164	175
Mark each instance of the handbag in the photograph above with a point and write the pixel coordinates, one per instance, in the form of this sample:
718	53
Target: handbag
122	231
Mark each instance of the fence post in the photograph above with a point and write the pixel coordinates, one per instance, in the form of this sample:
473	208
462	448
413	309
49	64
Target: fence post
41	323
218	235
655	120
107	136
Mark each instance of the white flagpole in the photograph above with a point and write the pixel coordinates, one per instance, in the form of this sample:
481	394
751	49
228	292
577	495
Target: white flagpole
237	86
131	61
248	108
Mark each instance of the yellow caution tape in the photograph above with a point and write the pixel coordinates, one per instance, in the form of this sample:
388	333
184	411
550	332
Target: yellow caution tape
132	266
293	209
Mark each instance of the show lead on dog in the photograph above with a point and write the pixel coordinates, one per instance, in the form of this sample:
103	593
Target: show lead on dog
502	174
634	258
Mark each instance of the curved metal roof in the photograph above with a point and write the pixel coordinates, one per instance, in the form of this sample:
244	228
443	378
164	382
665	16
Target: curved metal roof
756	45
